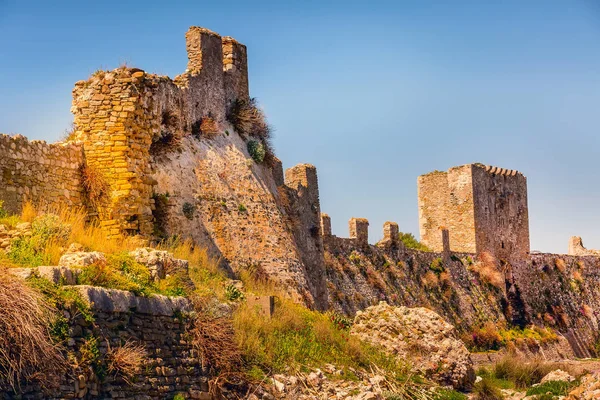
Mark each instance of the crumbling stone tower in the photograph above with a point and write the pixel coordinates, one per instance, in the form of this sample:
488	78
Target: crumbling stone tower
120	114
484	208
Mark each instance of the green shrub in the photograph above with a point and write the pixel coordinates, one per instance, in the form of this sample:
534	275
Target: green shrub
62	297
188	210
257	151
32	251
410	242
242	208
232	293
554	388
122	272
486	390
448	394
3	212
90	356
28	252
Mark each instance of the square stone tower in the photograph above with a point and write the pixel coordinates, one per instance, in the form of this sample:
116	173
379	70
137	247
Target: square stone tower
484	208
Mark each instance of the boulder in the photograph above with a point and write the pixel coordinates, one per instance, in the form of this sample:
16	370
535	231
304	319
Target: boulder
558	375
62	275
160	263
23	273
420	336
81	258
589	388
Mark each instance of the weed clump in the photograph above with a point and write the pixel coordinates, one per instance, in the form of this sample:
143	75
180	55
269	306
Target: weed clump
248	119
487	268
257	151
126	359
27	351
486	390
95	187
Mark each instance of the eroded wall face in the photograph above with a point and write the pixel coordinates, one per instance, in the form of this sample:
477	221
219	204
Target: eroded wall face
45	174
446	201
501	216
114	118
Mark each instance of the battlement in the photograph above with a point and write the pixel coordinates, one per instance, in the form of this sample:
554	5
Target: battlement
498	171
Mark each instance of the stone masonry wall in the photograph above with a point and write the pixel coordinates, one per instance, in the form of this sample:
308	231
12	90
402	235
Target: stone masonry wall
446	201
501	215
113	116
45	174
484	209
360	276
304	211
552	290
157	323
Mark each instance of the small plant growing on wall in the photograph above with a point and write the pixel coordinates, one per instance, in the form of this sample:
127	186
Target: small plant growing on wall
248	119
437	265
257	151
170	136
3	212
94	185
208	127
188	210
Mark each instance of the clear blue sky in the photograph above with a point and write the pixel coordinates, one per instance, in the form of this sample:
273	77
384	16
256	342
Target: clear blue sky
373	93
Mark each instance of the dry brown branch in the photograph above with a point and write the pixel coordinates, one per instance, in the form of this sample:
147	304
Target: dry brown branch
214	339
126	360
27	352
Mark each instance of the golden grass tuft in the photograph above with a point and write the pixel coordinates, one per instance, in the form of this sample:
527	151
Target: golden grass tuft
95	186
526	372
213	337
27	352
29	212
560	265
487	268
126	360
208	127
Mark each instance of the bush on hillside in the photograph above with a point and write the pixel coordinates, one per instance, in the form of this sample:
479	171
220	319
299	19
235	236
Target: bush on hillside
257	151
410	242
248	119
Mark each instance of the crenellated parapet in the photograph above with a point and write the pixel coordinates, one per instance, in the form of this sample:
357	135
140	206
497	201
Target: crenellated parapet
359	230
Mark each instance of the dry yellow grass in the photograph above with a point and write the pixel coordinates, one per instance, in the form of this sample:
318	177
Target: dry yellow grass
26	348
560	265
126	359
487	267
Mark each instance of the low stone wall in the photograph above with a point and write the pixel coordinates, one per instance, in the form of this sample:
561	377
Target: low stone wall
158	323
46	174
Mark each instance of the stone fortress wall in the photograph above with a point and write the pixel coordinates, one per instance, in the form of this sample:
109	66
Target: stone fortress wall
47	174
158	323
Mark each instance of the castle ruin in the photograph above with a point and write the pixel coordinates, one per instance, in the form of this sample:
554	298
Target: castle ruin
253	216
483	208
